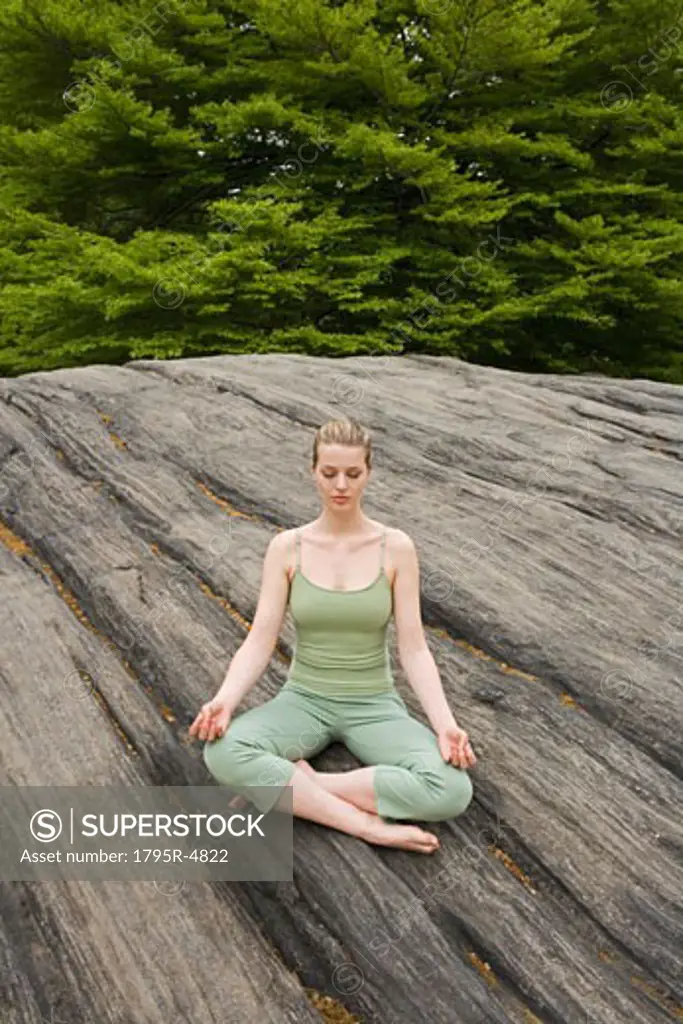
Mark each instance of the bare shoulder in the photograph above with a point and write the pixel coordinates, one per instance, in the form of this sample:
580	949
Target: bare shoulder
282	544
283	541
400	542
400	551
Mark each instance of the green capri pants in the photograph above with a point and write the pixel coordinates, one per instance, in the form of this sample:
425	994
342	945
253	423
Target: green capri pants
412	780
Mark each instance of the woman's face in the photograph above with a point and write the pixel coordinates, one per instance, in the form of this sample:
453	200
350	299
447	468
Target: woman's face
341	470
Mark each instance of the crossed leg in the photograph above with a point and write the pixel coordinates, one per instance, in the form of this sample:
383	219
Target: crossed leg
357	786
256	751
405	774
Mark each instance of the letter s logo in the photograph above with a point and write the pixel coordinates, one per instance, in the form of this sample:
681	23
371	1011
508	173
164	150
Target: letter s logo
46	826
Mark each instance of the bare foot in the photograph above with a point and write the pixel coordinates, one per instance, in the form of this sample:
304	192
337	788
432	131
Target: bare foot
407	837
306	767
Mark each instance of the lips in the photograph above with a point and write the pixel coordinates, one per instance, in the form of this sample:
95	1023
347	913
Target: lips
340	499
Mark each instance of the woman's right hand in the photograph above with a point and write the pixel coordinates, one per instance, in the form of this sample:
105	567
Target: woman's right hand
213	719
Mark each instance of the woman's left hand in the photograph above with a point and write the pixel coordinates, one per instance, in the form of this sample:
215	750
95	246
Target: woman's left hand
455	746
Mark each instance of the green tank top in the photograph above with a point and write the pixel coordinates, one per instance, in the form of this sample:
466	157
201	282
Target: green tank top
341	635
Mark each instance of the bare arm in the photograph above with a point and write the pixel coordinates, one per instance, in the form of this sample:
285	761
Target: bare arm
251	659
414	654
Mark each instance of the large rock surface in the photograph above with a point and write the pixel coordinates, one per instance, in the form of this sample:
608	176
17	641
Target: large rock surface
136	503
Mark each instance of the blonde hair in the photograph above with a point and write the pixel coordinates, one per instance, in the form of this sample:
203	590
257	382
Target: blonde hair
345	431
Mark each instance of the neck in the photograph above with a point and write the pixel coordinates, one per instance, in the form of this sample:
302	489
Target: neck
341	522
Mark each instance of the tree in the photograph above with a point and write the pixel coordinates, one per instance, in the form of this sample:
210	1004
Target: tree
491	180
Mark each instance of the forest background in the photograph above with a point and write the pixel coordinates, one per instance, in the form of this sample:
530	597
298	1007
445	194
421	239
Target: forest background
498	180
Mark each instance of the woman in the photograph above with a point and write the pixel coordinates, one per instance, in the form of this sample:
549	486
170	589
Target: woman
339	685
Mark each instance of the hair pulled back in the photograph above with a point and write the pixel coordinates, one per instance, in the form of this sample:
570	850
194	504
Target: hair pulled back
346	431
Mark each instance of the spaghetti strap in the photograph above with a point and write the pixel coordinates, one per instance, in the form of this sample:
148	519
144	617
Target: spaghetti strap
297	543
383	550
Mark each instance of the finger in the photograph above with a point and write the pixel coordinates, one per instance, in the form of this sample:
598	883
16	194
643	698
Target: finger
214	715
217	727
194	728
200	724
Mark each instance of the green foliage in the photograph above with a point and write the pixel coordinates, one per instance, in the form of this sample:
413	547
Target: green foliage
490	179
